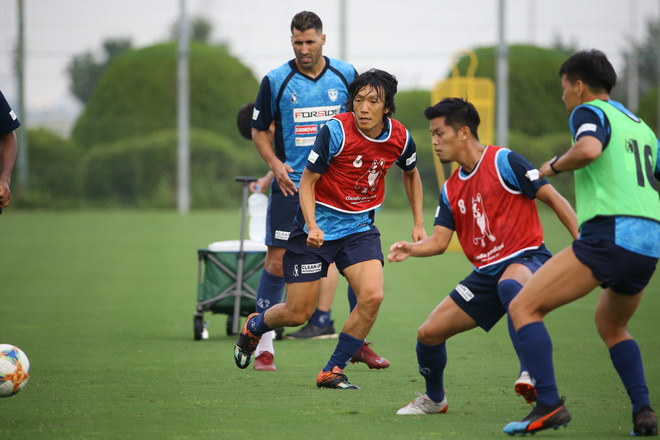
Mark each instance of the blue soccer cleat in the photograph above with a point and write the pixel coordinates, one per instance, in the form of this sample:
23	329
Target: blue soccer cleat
540	418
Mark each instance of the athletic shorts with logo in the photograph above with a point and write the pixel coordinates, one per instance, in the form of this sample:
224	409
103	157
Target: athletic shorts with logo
281	213
477	293
302	263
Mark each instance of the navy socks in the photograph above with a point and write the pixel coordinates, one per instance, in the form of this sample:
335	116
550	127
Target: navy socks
269	291
627	361
346	348
535	346
432	360
507	290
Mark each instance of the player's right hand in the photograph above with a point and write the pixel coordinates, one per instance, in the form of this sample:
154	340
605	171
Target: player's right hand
5	194
315	238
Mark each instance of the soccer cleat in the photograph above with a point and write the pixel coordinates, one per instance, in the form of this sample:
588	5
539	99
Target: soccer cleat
540	418
335	379
524	386
366	354
265	362
246	345
313	331
645	422
424	405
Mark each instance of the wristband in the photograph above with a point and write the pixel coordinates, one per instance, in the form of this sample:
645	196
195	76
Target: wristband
552	161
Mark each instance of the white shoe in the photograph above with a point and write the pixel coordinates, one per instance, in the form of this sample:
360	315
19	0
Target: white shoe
524	386
424	405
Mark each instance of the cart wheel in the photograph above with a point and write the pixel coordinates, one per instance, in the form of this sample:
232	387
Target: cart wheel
230	325
198	326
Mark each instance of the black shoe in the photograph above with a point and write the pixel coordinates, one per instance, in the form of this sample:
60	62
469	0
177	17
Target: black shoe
312	331
645	422
246	345
335	379
540	418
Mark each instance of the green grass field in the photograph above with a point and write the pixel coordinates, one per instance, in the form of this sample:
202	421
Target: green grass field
102	304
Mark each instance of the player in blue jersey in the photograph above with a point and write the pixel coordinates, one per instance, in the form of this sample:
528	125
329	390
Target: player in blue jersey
8	123
298	97
614	158
341	187
490	202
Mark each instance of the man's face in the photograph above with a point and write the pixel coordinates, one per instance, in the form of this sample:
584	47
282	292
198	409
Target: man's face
369	108
308	48
571	94
445	140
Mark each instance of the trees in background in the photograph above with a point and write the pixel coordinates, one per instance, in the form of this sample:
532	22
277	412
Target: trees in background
137	94
122	152
86	69
645	53
122	149
535	106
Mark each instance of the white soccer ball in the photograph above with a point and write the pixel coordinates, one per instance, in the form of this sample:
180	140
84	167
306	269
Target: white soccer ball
14	370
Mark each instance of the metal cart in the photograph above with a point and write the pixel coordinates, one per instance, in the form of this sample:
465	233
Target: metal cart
228	275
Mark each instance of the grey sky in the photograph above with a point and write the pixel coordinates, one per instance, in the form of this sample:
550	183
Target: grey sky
413	39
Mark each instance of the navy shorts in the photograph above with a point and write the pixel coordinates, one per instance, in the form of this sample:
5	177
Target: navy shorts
281	213
302	263
617	268
477	293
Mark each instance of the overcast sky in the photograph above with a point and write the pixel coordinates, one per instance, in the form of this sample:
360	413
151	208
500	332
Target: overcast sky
413	39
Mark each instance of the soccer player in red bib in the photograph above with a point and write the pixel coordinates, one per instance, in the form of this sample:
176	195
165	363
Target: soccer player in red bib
341	187
296	99
489	202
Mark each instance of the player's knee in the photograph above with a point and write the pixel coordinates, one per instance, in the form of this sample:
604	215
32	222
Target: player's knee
515	309
610	332
507	290
426	336
274	267
423	335
371	299
273	261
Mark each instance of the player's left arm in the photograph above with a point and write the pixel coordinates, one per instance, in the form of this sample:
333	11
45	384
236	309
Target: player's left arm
412	183
521	175
564	211
590	139
582	153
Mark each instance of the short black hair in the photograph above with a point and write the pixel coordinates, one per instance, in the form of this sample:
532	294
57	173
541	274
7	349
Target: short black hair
244	120
306	20
385	83
591	67
457	112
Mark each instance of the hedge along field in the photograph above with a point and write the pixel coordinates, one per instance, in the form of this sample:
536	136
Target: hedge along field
102	304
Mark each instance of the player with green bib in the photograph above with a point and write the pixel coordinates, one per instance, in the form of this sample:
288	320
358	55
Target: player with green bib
615	159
